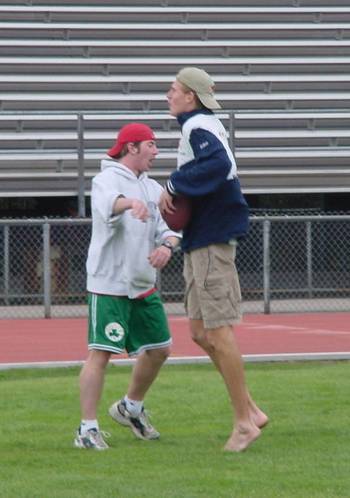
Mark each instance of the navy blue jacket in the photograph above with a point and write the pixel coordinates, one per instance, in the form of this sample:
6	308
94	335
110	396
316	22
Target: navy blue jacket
207	174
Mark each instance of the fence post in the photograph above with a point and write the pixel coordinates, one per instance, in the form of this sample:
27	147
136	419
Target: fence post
6	263
81	176
159	282
232	131
47	270
266	266
309	258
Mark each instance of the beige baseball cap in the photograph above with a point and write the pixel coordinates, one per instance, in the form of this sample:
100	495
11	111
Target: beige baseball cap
201	83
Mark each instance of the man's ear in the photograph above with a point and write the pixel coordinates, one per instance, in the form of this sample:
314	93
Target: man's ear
191	97
132	149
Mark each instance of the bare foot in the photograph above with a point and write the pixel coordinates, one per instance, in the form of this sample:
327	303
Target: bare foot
260	418
242	437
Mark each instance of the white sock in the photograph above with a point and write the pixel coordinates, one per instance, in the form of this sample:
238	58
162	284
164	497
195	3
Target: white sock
86	425
134	407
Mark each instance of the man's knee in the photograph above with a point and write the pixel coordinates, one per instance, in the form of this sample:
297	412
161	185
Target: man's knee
220	339
197	332
159	355
98	358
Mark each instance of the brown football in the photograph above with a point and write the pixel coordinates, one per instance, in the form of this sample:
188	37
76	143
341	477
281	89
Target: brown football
180	218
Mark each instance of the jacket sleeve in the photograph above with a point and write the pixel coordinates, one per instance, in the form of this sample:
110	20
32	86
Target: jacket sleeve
206	172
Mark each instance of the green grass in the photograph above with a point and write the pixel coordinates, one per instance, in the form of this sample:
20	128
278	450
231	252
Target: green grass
303	453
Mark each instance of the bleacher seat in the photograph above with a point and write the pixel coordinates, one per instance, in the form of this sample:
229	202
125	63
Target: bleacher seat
282	72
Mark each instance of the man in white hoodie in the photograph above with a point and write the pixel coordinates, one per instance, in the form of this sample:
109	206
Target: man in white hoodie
130	242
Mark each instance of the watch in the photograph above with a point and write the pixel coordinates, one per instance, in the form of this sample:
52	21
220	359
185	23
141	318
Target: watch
169	245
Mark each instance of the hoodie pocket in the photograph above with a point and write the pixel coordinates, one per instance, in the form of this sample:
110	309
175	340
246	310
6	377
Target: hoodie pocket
106	259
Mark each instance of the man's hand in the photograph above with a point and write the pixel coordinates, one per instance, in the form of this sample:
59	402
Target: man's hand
165	203
159	257
139	210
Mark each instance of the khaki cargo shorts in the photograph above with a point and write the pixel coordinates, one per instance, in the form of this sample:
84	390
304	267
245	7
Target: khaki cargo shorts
213	291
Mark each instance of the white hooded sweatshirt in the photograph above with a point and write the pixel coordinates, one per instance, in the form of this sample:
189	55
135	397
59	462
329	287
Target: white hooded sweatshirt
117	262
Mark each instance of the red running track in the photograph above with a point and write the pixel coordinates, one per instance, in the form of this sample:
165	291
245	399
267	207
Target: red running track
40	340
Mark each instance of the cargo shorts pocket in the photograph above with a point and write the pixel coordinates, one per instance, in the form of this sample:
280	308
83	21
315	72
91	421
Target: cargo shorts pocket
219	304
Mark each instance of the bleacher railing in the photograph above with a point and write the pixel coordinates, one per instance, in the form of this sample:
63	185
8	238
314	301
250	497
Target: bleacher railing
80	126
57	154
286	264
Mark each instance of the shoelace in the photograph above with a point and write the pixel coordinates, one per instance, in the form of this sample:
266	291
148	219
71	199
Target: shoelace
145	416
100	434
103	434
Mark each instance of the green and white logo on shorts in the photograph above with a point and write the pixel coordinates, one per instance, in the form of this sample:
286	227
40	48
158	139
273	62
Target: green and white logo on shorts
114	332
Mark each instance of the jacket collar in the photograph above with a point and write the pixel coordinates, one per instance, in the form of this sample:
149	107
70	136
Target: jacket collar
184	116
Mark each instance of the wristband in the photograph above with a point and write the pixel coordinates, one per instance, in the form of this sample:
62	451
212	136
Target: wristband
169	245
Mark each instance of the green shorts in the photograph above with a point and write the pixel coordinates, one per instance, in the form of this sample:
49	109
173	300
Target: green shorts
118	324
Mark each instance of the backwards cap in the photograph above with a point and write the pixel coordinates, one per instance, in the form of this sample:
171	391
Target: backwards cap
133	132
201	83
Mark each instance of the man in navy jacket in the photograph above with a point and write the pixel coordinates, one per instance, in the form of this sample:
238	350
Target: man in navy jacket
207	174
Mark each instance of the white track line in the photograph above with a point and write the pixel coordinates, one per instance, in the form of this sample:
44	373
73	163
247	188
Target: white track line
249	358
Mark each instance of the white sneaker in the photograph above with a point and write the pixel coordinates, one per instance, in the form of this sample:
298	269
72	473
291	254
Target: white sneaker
91	439
140	425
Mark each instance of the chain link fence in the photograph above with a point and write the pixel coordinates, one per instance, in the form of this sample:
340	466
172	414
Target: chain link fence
286	264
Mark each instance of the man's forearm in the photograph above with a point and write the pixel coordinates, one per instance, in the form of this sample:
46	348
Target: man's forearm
121	204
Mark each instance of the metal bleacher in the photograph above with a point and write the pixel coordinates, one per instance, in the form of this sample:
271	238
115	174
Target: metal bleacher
281	67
